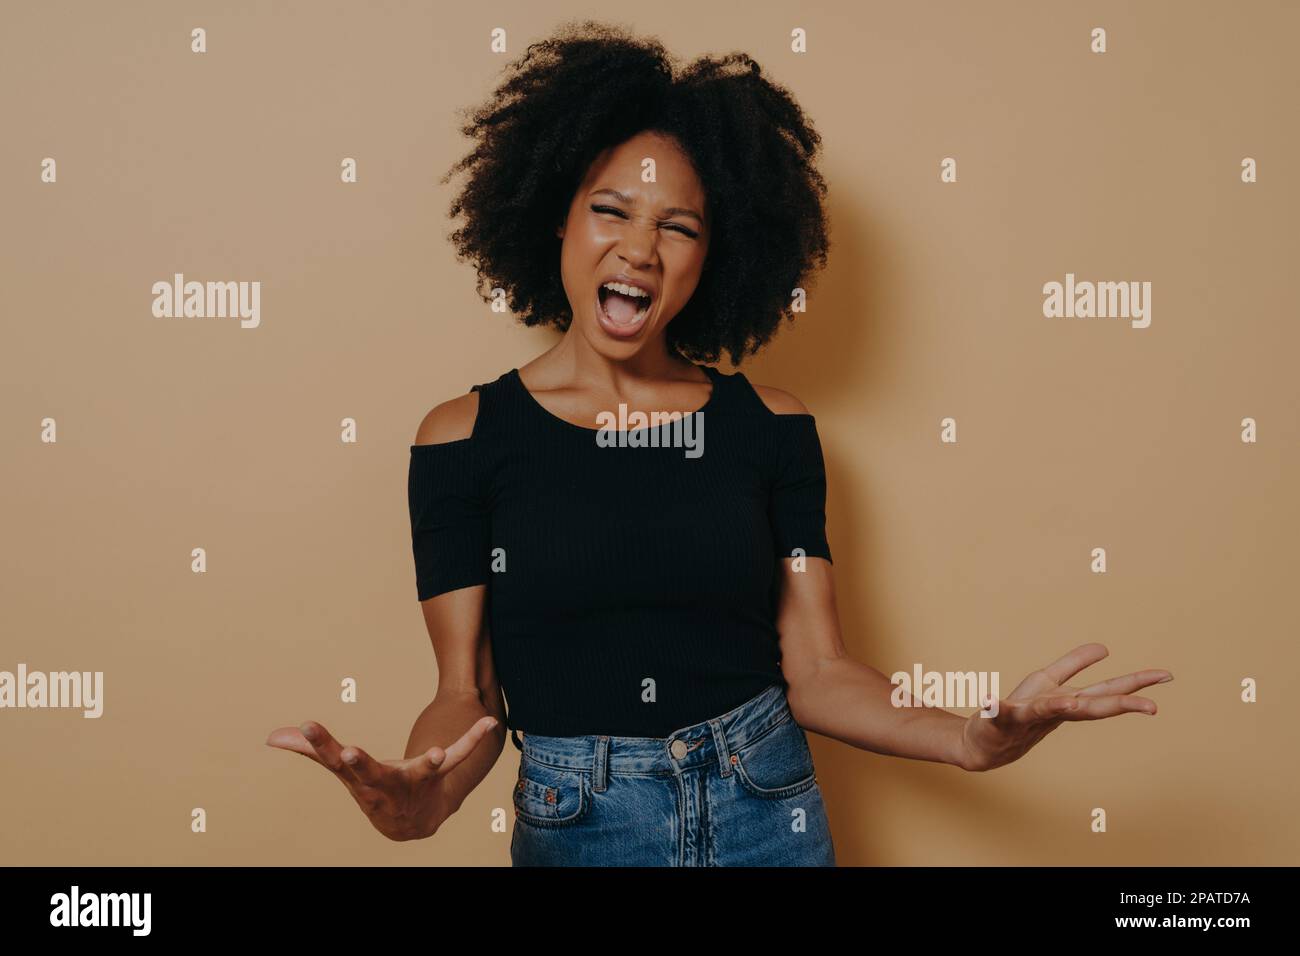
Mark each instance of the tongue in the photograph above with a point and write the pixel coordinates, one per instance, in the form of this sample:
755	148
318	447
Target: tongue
622	308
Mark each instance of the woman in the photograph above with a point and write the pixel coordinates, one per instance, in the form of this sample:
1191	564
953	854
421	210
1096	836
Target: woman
658	609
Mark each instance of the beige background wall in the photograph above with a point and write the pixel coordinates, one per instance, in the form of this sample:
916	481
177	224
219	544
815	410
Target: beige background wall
1073	434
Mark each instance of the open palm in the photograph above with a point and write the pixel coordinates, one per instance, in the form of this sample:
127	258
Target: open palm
1042	701
404	799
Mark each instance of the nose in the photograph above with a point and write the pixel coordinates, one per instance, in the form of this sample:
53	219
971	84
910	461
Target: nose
638	243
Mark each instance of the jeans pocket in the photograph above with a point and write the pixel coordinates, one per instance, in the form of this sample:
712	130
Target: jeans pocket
547	796
778	764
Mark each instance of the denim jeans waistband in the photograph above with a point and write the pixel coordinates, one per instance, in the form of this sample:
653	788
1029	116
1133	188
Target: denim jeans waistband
709	741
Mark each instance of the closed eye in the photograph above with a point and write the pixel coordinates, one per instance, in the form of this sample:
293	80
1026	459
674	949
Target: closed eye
671	225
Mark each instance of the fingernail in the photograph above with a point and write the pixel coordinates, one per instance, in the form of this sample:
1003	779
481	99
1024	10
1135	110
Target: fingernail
1165	680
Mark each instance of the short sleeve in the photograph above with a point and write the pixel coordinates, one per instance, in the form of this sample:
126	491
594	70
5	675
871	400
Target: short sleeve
798	503
450	523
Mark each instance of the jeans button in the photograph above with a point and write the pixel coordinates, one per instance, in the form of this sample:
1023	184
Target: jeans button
678	748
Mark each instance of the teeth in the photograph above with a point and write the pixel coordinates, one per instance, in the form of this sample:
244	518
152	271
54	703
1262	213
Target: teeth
627	290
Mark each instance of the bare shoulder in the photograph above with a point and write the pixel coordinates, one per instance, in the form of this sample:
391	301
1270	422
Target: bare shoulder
779	401
450	421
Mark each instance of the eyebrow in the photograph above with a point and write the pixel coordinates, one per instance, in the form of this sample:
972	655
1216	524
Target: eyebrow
670	211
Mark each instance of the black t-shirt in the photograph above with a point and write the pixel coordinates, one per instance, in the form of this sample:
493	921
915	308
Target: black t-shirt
631	590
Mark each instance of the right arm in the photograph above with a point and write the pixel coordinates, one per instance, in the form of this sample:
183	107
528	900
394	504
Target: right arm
468	689
451	747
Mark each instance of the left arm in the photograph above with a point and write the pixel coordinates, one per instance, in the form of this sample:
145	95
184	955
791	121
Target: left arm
833	695
830	693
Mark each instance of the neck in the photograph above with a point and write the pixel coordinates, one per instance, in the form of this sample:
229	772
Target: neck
573	359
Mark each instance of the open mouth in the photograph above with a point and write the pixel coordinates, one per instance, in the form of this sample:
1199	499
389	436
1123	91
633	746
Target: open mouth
622	311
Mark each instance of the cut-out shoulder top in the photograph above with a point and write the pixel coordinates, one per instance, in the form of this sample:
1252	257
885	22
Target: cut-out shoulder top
631	590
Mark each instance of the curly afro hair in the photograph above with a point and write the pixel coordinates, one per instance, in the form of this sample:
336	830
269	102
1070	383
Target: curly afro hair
592	86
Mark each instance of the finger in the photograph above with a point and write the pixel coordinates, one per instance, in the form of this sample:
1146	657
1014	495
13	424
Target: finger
366	768
463	747
291	738
328	750
1095	708
1051	707
438	760
1006	712
1046	707
1128	683
1067	665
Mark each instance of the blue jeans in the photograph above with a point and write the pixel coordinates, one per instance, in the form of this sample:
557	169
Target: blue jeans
738	789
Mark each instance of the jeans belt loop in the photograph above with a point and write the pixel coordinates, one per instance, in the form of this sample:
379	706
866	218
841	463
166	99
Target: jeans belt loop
600	766
720	745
